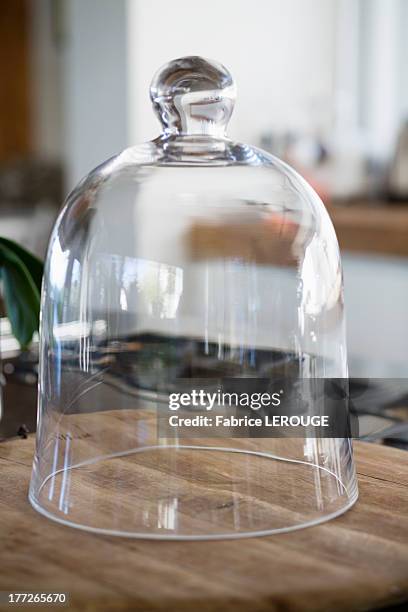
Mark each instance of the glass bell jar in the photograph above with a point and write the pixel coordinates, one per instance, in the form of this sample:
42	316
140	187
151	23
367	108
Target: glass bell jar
184	276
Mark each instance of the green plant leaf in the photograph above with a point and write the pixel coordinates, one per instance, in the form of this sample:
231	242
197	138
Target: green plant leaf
20	292
33	264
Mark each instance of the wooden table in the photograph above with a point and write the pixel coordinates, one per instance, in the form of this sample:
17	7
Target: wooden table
377	228
356	562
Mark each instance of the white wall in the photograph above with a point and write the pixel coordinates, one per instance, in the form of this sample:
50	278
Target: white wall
281	54
46	80
95	84
382	76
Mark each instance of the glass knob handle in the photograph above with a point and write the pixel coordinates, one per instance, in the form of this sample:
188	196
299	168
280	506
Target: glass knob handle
192	96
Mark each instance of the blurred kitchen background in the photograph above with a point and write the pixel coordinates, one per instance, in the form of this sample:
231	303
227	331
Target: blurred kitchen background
322	84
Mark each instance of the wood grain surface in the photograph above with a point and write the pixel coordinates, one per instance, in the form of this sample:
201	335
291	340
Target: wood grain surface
358	561
381	229
182	489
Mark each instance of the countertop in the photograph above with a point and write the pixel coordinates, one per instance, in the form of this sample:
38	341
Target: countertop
365	227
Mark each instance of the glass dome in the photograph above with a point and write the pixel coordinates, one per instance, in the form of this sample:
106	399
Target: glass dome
191	263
